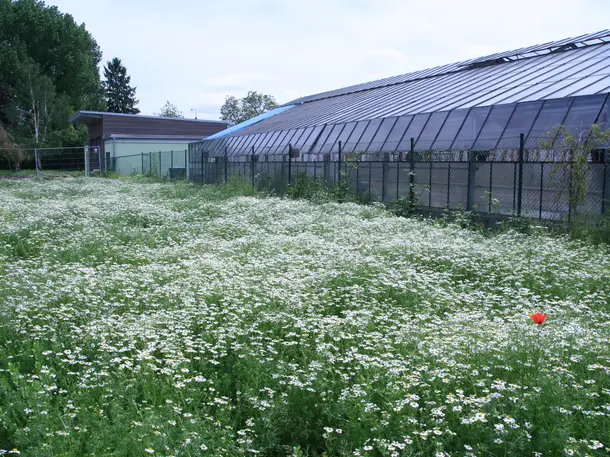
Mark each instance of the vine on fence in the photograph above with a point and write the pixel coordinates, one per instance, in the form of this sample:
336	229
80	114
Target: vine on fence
573	155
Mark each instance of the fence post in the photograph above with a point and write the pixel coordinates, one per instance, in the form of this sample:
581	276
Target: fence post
202	158
187	165
412	174
384	175
159	164
150	163
171	160
99	159
339	164
252	168
604	182
226	164
289	164
36	160
142	153
520	184
472	180
570	191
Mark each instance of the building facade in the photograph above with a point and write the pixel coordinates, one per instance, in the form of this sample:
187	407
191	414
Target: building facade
125	138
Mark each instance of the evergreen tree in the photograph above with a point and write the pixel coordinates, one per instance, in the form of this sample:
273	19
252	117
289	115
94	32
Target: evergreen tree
120	96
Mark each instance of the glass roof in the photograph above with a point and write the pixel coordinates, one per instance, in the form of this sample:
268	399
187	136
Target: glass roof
480	103
478	128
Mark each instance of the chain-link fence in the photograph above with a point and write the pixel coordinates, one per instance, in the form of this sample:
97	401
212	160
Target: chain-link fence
164	164
521	179
51	162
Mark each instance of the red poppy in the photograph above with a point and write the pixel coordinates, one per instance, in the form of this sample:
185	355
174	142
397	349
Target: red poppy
538	318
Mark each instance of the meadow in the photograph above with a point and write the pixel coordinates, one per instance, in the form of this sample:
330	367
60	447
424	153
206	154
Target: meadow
169	319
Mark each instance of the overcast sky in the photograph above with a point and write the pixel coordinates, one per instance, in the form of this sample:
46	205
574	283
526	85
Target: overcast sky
196	52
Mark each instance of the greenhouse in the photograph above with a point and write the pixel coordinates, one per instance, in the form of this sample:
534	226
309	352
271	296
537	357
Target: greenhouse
485	103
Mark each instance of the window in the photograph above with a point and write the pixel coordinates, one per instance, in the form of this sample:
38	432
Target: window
494	126
551	115
415	128
471	127
368	134
583	113
354	138
428	135
317	146
332	137
299	144
450	129
382	133
520	122
312	138
345	133
396	134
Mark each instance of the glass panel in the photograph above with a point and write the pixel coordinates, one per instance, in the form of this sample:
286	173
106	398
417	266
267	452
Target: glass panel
216	146
271	140
246	144
428	135
368	134
604	115
304	137
317	147
273	147
345	133
397	133
382	133
330	140
471	127
599	87
222	143
297	136
494	126
520	122
260	142
263	147
415	128
312	138
287	141
583	113
281	144
260	149
450	128
351	143
239	142
551	115
256	142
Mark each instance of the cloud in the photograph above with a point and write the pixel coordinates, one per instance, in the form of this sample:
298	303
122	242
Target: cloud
195	53
237	80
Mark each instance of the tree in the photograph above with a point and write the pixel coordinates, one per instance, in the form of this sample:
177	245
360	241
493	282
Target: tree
49	62
9	150
120	96
236	110
170	110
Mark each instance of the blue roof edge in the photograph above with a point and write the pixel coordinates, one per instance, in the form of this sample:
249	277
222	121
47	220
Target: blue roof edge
249	122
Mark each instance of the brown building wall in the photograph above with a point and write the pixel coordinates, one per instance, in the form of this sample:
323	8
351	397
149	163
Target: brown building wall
127	125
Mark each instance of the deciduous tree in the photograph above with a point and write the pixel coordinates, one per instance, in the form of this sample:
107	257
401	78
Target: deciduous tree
236	110
170	110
